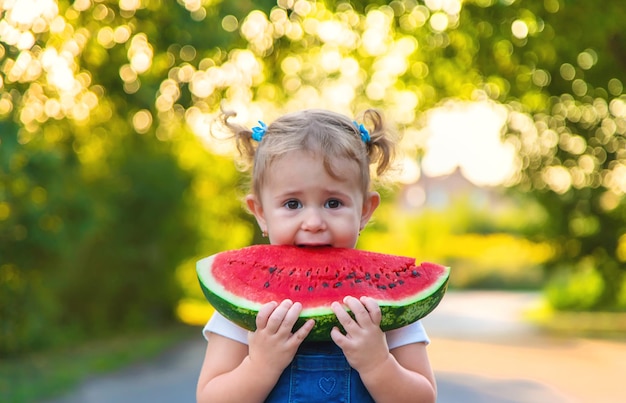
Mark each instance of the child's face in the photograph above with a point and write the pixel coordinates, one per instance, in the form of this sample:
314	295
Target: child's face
301	204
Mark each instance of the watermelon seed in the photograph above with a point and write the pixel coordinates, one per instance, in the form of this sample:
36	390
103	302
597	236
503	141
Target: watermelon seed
325	284
377	275
291	272
267	284
297	288
358	280
337	284
308	273
382	287
391	285
368	276
401	282
415	273
272	269
311	288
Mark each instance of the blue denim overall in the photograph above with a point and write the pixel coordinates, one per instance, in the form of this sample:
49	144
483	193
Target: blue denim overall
319	373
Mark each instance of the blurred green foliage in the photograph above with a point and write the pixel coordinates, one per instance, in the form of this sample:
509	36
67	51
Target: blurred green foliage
570	81
95	215
90	255
112	183
485	247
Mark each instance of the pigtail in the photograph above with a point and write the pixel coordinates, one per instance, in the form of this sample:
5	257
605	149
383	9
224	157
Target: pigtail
381	147
243	136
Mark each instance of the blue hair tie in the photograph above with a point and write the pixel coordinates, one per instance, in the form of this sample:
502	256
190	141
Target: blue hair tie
259	131
365	135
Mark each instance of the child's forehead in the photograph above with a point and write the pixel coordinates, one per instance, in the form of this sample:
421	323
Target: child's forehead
303	173
338	166
314	157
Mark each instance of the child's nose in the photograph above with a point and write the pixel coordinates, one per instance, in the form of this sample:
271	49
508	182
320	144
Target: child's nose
313	220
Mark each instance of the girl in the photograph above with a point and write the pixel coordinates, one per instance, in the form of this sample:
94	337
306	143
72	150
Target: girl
311	187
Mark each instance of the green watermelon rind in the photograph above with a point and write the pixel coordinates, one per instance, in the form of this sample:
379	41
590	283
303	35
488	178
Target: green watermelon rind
395	314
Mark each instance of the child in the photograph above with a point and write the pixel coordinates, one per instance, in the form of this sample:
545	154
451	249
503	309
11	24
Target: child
310	187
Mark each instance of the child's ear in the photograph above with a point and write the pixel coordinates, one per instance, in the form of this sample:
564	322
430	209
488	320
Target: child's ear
370	203
256	208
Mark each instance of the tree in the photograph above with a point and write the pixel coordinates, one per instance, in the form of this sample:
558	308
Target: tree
99	189
101	101
567	119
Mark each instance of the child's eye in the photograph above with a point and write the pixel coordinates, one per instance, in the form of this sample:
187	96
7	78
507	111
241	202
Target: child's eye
292	204
333	203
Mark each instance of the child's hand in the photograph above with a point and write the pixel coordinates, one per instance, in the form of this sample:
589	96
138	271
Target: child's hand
364	343
272	345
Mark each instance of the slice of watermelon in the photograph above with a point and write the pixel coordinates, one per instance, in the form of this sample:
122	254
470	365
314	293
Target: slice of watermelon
238	282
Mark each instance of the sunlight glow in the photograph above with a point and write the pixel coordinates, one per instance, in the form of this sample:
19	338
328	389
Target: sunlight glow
258	31
558	178
330	60
449	6
519	29
142	120
616	179
130	5
330	31
140	53
60	74
57	87
376	33
439	22
468	136
106	37
410	171
587	59
23	17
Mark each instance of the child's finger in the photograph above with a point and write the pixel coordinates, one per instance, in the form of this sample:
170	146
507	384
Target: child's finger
337	336
344	318
304	330
264	314
361	314
373	308
291	316
277	317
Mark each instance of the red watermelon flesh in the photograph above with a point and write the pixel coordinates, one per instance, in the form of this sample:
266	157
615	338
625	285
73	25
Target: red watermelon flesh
238	282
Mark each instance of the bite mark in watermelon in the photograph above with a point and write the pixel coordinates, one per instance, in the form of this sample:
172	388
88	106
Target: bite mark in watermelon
238	282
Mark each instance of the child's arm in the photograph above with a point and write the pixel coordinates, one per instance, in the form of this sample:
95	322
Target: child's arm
402	375
234	372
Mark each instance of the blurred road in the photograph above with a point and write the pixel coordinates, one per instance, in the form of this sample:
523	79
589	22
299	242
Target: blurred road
480	349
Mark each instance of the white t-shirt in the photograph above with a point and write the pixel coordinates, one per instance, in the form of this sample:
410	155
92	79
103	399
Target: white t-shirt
413	333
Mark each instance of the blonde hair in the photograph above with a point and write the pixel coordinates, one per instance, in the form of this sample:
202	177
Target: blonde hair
326	133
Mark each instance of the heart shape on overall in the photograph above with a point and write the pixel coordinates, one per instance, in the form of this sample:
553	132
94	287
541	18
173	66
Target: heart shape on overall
327	385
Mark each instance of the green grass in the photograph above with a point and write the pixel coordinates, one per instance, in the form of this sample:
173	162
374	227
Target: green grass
49	374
